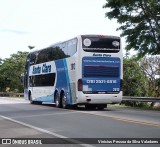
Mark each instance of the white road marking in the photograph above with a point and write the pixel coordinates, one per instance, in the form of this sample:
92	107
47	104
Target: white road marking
46	131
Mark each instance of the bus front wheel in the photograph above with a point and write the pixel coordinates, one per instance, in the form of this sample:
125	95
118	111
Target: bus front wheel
30	98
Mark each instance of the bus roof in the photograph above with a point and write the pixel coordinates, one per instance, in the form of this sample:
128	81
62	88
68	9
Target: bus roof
79	36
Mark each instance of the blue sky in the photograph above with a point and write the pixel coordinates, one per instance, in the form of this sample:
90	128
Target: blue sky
41	23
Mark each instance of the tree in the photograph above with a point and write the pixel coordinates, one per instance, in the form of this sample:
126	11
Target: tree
151	68
31	47
1	61
11	70
135	82
140	23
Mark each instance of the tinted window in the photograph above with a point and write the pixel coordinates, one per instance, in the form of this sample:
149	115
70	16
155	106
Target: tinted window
101	44
50	54
42	80
55	52
72	47
32	57
42	56
59	53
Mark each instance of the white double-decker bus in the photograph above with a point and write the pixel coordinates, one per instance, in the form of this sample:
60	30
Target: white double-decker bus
86	70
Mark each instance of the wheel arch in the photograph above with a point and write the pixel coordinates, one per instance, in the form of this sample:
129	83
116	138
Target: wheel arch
55	92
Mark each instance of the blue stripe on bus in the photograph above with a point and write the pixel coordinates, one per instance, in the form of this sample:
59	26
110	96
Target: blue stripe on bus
68	82
63	79
48	98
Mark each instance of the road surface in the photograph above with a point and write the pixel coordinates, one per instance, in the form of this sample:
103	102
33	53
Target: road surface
20	119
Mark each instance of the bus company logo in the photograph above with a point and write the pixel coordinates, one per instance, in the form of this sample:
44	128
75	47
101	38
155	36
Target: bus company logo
36	70
115	43
101	55
41	69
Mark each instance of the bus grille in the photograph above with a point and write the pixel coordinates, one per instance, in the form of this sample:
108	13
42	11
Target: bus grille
101	71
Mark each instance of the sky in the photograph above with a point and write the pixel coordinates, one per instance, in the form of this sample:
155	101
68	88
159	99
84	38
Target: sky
41	23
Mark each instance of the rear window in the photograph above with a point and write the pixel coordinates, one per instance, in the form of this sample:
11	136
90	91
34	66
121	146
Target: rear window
101	44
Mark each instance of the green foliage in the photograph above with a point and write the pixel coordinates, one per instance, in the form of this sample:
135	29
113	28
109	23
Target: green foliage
151	67
140	23
11	70
135	82
139	78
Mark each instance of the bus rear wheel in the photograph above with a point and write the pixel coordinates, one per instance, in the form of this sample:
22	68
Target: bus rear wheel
101	106
58	100
90	106
64	101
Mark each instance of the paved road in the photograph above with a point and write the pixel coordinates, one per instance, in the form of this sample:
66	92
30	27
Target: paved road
18	118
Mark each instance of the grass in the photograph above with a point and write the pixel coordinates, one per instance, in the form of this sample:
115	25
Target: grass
117	106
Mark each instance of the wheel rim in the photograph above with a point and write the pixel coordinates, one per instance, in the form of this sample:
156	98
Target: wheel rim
57	100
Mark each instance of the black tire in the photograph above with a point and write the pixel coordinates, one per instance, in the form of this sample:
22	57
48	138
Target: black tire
33	102
101	107
30	98
64	102
58	101
90	106
74	106
39	103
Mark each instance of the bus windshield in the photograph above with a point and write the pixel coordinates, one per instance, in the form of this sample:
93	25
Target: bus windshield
102	44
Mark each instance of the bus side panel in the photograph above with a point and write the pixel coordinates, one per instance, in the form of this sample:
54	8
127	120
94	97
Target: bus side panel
43	94
72	68
39	92
62	83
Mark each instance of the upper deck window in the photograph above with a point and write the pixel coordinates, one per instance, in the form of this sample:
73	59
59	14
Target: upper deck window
54	52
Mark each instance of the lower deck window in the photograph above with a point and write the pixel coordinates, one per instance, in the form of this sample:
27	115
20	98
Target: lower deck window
42	80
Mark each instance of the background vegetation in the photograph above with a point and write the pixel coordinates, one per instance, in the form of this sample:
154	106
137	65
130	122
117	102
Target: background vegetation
140	25
139	22
10	72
